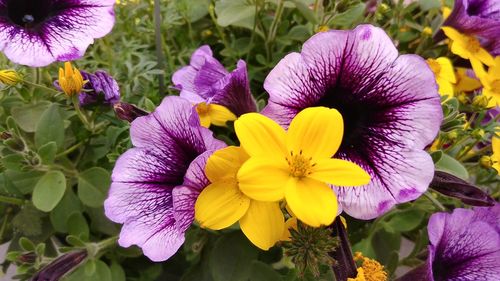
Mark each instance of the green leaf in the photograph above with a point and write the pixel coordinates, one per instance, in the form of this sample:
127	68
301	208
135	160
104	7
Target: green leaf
49	190
22	181
451	165
77	225
235	12
27	116
47	152
305	11
263	272
349	17
50	128
26	244
101	272
93	185
13	162
28	221
117	272
230	257
406	220
426	5
68	206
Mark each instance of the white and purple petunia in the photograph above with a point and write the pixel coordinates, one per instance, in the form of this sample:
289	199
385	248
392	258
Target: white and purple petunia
464	246
206	80
155	184
479	18
390	105
39	32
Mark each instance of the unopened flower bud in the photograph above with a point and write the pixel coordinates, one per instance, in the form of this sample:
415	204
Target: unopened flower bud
452	135
70	80
27	258
486	162
60	266
322	28
10	77
480	101
427	31
128	112
206	33
463	98
478	134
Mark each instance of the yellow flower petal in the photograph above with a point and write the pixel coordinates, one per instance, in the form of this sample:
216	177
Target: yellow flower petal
225	163
290	223
260	135
219	115
312	201
263	224
445	87
220	205
264	179
485	57
466	83
205	120
453	34
339	172
316	132
446	72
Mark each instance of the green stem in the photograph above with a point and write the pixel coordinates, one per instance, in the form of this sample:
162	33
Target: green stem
274	27
475	153
160	57
69	150
11	200
41	87
80	113
435	201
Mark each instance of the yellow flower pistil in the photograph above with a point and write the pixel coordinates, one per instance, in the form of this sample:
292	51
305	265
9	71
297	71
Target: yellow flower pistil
297	165
214	114
10	77
491	82
70	80
370	270
465	83
221	204
445	76
495	158
468	47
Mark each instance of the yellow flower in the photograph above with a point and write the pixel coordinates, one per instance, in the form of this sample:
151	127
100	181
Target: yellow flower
297	165
468	47
495	145
491	82
10	77
70	80
222	204
427	31
445	76
465	83
214	114
370	270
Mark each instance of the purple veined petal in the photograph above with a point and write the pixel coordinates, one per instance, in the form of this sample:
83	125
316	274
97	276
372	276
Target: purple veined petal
171	128
476	17
390	106
463	246
233	91
100	86
403	177
57	30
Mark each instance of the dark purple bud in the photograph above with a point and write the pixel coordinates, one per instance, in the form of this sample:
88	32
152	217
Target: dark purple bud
60	266
128	112
452	186
27	258
5	135
100	88
344	266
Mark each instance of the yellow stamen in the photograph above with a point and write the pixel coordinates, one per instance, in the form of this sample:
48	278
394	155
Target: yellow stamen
370	270
70	80
300	166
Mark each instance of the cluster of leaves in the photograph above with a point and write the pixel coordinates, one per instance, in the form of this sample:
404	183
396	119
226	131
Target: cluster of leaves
55	168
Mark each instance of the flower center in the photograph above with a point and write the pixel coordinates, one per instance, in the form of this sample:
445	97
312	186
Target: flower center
299	165
473	44
434	65
202	108
28	13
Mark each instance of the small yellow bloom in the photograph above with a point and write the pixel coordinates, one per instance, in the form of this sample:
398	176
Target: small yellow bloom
70	80
370	270
468	47
297	165
222	204
214	114
491	82
10	77
465	83
427	31
445	76
495	158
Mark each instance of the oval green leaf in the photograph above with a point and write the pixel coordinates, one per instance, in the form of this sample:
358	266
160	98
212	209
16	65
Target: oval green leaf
49	190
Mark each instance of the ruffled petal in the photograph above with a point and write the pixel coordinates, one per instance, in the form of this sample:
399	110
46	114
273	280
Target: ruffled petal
263	224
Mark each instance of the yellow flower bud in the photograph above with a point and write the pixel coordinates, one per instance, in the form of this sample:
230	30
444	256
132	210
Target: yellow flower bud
481	101
486	161
427	31
70	80
322	28
10	77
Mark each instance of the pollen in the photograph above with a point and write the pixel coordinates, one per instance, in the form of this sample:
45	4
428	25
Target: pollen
370	270
473	44
300	165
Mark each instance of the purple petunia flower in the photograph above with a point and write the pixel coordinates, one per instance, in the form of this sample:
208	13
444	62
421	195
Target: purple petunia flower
390	105
206	80
479	18
39	32
99	86
464	245
155	184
